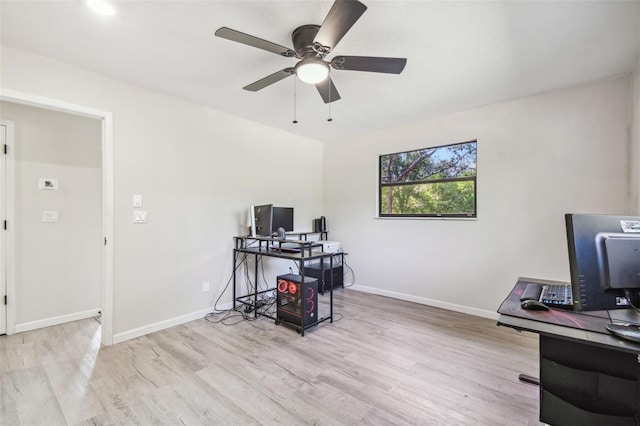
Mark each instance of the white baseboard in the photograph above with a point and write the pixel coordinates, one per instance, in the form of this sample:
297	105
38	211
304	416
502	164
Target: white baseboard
48	322
425	301
161	325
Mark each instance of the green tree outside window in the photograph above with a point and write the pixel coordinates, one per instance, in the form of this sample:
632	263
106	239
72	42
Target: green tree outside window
429	182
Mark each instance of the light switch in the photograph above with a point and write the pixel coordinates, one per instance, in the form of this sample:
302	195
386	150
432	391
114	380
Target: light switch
139	216
137	200
50	216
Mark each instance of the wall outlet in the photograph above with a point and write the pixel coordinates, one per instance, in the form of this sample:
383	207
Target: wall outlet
206	286
50	216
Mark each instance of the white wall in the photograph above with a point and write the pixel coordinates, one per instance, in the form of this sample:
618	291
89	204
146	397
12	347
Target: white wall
634	157
58	265
538	158
197	169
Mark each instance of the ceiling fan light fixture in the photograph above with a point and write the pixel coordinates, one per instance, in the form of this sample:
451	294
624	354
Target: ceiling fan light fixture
312	71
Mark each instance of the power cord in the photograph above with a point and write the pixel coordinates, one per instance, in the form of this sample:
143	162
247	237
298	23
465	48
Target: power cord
215	305
629	297
232	317
353	273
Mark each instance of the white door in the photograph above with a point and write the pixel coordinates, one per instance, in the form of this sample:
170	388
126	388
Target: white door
3	238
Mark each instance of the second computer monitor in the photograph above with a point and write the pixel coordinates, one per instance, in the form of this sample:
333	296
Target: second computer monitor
282	218
269	218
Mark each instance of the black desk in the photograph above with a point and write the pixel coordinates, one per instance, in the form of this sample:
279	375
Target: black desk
272	247
587	375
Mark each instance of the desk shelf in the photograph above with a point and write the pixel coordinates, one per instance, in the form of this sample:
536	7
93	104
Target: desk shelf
323	235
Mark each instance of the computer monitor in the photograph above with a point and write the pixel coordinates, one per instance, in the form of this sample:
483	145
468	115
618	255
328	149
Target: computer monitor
263	217
604	260
619	258
282	218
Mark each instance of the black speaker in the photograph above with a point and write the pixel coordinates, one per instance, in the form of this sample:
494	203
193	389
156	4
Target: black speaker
324	276
320	224
297	299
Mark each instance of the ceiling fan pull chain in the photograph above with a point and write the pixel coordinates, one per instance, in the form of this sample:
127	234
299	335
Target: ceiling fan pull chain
295	103
329	119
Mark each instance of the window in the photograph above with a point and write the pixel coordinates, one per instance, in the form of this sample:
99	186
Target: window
429	182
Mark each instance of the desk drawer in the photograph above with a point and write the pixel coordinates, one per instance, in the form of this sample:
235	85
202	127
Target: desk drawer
582	384
583	356
591	390
558	412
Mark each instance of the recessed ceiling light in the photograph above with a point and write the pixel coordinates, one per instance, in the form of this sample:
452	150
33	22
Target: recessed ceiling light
101	7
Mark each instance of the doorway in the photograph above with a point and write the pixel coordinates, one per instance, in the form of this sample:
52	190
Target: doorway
103	235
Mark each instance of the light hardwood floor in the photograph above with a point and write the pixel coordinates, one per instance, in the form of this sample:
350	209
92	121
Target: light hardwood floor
386	362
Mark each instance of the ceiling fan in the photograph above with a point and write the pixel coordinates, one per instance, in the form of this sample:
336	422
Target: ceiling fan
311	43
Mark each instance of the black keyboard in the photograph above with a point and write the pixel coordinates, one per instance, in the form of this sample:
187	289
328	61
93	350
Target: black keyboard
557	295
554	295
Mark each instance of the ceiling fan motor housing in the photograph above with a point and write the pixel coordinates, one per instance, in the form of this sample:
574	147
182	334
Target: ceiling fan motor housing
302	38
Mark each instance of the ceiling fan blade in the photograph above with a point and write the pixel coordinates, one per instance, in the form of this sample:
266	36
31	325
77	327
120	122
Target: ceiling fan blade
339	20
369	63
252	41
269	80
328	91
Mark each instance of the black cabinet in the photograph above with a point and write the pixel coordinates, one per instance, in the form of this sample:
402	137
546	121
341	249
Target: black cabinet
322	271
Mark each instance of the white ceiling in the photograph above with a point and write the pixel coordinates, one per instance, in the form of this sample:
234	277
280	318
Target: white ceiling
459	54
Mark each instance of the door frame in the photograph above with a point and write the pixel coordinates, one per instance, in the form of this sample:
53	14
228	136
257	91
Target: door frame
7	210
106	118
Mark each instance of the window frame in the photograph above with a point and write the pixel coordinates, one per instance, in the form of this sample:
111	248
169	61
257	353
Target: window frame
439	215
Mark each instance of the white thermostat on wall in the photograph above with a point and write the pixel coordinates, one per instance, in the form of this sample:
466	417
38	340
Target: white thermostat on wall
48	183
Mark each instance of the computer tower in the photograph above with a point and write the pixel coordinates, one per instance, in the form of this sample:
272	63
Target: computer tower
297	299
324	277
